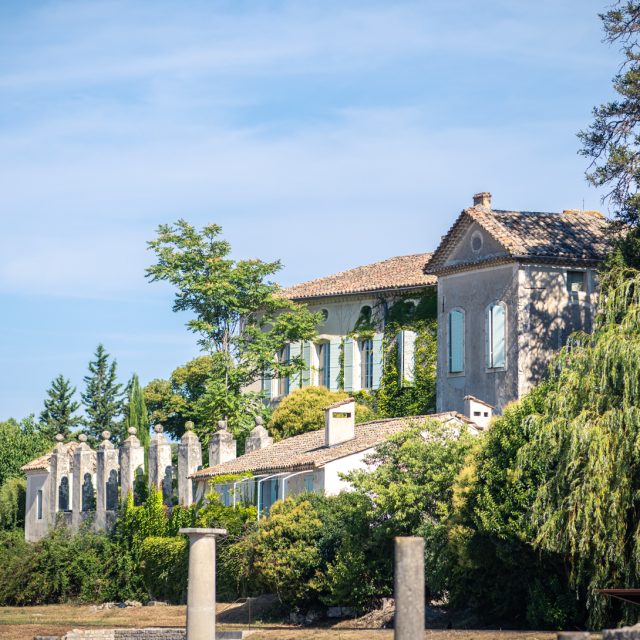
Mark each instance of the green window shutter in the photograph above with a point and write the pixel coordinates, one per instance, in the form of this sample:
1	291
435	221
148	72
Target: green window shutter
456	341
306	356
377	360
348	364
295	350
334	363
266	386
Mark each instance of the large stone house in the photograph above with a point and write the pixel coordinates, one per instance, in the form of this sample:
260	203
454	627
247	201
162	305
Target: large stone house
347	300
512	286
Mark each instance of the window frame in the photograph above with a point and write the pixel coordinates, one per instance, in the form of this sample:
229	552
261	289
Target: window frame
365	346
323	351
282	382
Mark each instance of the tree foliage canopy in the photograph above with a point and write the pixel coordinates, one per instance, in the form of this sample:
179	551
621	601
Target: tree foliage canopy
59	409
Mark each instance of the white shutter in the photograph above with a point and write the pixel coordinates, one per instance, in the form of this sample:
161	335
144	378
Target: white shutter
377	360
306	356
334	363
487	338
295	349
406	354
348	364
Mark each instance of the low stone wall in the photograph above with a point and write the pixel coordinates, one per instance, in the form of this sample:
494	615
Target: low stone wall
624	633
151	633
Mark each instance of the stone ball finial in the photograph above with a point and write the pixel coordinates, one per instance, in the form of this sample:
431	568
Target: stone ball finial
188	425
59	438
259	421
82	437
106	435
132	431
158	428
222	425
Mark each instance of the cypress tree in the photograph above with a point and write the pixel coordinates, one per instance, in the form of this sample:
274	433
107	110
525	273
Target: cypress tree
59	407
102	398
136	411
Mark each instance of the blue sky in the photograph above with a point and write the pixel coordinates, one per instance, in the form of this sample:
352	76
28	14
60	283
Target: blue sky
324	133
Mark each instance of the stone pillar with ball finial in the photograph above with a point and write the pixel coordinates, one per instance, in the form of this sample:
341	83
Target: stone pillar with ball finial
222	446
60	479
84	469
189	461
107	481
131	464
160	469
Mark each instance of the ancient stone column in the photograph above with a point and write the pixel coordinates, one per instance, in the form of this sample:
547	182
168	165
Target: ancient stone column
60	488
258	438
201	586
160	471
107	481
222	446
131	461
409	589
84	468
189	461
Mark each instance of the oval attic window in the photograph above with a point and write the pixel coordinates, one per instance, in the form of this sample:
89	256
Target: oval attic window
476	241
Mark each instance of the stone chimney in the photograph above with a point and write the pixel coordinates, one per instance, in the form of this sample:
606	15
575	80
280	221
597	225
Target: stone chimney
339	422
222	446
482	199
259	438
478	411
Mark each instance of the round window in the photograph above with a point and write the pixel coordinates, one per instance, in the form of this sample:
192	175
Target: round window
476	241
325	315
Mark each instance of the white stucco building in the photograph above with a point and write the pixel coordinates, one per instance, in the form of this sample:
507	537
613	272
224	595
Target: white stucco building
313	461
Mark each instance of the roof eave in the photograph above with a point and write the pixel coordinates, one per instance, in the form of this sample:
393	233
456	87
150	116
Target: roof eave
324	296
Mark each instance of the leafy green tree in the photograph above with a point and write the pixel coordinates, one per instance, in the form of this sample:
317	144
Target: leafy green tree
20	442
102	397
303	410
239	316
136	414
13	495
612	142
59	409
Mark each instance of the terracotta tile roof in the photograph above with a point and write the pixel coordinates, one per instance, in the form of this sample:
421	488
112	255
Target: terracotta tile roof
395	273
42	463
308	451
569	237
39	464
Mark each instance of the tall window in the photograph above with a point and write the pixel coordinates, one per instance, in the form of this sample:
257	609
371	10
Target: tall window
283	381
324	368
366	364
456	341
496	335
39	504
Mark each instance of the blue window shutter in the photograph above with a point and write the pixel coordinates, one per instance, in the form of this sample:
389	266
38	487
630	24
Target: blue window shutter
498	327
306	356
377	360
348	364
487	337
456	341
334	363
295	350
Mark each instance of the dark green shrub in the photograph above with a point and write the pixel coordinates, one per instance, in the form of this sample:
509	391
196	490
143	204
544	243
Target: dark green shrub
12	503
165	568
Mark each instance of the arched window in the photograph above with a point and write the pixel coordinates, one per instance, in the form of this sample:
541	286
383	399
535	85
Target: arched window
496	335
63	494
456	341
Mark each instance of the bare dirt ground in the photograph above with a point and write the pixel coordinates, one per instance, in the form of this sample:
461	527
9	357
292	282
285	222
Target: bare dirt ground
23	623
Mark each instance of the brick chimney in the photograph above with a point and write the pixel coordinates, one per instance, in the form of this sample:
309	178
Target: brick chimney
339	422
482	199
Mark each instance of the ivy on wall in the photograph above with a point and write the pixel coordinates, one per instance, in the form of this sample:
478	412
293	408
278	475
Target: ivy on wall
396	397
